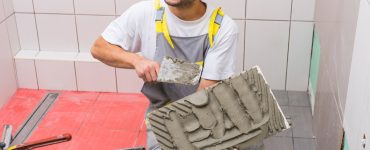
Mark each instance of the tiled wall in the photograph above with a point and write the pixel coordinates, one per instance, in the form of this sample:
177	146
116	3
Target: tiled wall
274	34
9	45
335	23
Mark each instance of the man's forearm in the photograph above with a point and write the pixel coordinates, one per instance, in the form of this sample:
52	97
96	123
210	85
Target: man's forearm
113	55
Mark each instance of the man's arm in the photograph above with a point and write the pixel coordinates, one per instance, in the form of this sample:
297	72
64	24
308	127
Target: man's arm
115	56
205	83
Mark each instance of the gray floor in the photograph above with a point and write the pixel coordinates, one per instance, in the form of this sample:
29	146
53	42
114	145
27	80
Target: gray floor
295	105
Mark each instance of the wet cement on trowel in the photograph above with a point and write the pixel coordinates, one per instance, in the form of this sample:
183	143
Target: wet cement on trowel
237	112
174	70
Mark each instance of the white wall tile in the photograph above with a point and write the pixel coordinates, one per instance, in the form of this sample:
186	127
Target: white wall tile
101	7
234	9
240	51
8	83
11	25
57	32
95	76
26	73
123	5
2	11
27	31
128	81
23	5
299	56
54	6
55	74
269	9
267	46
25	66
303	10
89	29
8	7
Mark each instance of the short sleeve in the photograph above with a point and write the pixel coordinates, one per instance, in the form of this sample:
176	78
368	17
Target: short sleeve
220	59
124	31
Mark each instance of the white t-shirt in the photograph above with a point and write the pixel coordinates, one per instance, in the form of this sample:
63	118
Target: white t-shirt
135	31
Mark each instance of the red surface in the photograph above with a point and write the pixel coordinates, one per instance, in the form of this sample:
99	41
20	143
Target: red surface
95	120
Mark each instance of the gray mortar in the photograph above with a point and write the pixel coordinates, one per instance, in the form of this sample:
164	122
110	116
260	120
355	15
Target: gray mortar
238	112
174	70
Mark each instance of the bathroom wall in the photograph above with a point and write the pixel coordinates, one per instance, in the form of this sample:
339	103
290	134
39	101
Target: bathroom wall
335	23
356	120
56	36
8	47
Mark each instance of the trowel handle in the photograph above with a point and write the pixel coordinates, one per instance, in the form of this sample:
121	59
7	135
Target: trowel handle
43	142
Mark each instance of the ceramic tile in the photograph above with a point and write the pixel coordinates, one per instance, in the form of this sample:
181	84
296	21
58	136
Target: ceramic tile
11	25
269	9
99	7
235	10
57	32
95	76
23	6
304	144
128	81
266	45
27	31
54	6
89	29
299	56
303	10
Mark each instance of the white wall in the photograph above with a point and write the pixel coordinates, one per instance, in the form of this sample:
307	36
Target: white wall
272	34
8	82
356	115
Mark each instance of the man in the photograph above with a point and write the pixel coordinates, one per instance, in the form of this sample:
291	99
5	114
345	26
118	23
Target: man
189	30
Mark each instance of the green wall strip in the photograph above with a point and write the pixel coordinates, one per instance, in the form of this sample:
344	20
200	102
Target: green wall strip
345	144
315	61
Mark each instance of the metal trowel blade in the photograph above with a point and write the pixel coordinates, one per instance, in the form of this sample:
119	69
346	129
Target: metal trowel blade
174	70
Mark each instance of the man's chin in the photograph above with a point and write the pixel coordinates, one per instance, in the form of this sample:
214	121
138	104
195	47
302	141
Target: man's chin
173	2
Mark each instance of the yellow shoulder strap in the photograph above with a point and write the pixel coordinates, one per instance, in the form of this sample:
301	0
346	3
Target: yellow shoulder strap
161	22
214	24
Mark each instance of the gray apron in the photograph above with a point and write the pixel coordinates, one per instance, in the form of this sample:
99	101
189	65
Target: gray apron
190	49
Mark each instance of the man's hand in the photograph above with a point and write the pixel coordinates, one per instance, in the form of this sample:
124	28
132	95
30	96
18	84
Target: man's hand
147	69
204	83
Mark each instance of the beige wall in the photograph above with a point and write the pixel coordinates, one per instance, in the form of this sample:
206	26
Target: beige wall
336	25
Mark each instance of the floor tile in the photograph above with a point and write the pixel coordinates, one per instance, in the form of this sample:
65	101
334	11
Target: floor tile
278	143
287	113
298	99
281	96
301	122
304	144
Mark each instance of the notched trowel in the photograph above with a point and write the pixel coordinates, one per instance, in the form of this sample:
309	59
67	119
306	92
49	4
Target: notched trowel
174	70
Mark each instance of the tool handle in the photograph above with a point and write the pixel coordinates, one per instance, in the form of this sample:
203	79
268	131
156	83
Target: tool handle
44	142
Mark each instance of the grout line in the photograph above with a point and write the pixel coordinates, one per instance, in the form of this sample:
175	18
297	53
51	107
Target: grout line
37	29
76	30
117	15
115	7
293	141
289	32
66	14
11	52
245	36
76	82
37	77
309	69
115	75
16	26
6	18
307	138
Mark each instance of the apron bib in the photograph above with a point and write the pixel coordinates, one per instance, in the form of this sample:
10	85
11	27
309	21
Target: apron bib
190	49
